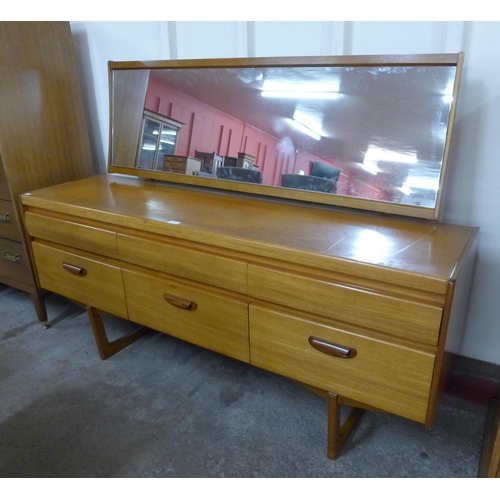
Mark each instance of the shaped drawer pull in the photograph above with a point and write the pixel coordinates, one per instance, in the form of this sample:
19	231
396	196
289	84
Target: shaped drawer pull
189	305
12	258
332	349
77	271
5	218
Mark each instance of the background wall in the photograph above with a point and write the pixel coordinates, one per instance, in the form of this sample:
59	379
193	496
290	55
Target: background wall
473	190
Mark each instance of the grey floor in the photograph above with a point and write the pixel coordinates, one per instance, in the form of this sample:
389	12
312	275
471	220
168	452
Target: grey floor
163	408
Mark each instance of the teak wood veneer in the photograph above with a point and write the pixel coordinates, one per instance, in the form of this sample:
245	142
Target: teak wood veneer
43	134
356	306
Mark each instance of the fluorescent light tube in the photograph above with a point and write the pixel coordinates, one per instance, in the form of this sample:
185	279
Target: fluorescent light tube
306	130
300	94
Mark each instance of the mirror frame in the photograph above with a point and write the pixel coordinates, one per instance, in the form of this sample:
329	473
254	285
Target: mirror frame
432	213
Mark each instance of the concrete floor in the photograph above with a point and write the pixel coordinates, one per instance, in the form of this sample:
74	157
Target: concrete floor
163	408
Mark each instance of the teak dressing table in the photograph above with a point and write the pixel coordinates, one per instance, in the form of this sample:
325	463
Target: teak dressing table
352	302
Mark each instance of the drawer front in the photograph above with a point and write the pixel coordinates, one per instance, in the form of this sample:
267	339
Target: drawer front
80	278
9	225
206	268
381	374
4	187
393	315
215	321
80	236
14	263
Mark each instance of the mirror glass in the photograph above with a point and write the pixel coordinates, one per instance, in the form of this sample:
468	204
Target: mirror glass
367	131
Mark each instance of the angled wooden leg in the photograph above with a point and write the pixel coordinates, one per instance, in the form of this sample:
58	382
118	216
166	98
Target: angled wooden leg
104	346
337	434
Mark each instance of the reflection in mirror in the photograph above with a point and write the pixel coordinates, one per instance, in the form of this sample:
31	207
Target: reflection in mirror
370	131
158	138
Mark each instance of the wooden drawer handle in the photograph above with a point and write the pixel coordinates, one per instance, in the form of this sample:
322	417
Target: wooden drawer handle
5	218
12	258
189	305
332	349
77	271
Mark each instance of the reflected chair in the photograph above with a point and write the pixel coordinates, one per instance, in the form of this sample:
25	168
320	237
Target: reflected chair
240	174
210	161
309	183
327	171
229	161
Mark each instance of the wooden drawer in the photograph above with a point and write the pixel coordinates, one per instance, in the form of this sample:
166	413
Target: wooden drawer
9	225
99	284
4	187
218	321
396	316
381	374
184	262
14	263
80	236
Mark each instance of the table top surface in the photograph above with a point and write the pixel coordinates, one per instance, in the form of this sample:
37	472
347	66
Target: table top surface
266	227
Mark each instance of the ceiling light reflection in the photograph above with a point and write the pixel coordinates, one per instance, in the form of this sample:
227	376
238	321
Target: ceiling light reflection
374	155
305	129
309	90
299	94
371	246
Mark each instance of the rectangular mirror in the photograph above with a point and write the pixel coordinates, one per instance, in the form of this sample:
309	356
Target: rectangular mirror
366	132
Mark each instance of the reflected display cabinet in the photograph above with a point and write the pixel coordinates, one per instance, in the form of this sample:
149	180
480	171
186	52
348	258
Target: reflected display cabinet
357	292
43	134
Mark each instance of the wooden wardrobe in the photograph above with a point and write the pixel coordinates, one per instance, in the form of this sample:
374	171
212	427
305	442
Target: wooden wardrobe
44	138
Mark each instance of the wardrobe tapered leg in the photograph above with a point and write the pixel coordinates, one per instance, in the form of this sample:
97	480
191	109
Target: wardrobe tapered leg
40	308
